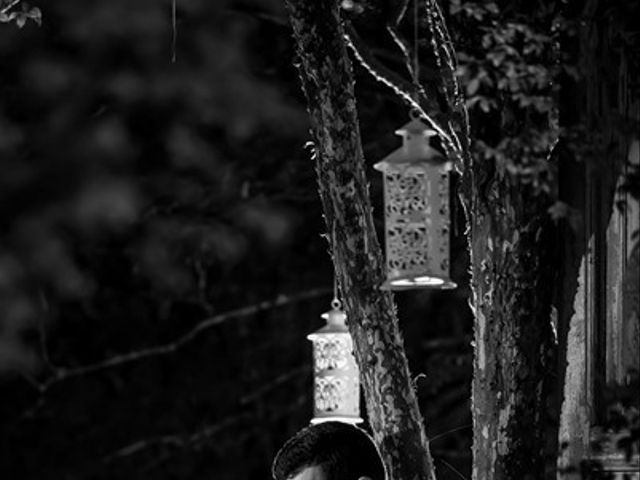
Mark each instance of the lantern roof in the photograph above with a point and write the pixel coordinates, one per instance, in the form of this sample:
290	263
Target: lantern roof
415	127
415	149
423	154
336	323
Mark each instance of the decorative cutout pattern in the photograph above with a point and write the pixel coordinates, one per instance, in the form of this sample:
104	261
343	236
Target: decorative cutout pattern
333	352
330	395
336	377
417	221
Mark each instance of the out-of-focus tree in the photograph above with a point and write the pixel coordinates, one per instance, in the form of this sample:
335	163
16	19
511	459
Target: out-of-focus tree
106	139
149	183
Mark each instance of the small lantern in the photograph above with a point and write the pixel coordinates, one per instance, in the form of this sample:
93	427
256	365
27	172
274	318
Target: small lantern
336	375
416	197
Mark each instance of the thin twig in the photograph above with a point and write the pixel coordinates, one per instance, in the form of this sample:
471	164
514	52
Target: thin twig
30	379
44	350
440	435
174	440
135	447
279	380
447	64
400	86
400	12
405	49
452	468
201	281
9	6
443	50
174	30
61	373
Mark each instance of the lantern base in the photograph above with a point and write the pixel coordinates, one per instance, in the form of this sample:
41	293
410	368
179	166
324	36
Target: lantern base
418	281
337	418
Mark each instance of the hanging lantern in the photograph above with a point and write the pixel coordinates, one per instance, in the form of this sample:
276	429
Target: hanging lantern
416	197
336	375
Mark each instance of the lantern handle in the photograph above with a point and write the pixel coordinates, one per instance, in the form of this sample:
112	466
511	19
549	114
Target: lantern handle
336	304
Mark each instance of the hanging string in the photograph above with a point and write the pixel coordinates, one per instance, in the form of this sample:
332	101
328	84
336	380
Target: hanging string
336	304
415	113
416	63
174	31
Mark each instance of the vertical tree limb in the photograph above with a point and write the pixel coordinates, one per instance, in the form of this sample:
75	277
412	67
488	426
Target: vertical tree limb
327	81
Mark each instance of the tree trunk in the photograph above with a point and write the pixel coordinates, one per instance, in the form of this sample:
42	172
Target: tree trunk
510	243
327	81
574	418
512	275
512	266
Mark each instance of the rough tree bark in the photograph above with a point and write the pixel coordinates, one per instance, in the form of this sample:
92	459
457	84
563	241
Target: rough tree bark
327	80
510	239
512	278
511	243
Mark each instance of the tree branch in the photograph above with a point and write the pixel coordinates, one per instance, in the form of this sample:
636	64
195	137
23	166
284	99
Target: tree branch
392	27
443	50
452	468
61	373
9	6
402	87
275	383
405	49
327	80
447	64
179	440
197	438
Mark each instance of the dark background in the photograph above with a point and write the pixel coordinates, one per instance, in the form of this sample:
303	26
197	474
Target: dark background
141	196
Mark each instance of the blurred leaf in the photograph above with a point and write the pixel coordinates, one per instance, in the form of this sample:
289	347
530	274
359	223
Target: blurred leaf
107	202
472	86
271	224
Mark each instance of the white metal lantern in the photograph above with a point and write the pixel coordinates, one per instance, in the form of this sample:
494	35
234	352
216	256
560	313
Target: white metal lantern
336	375
416	198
